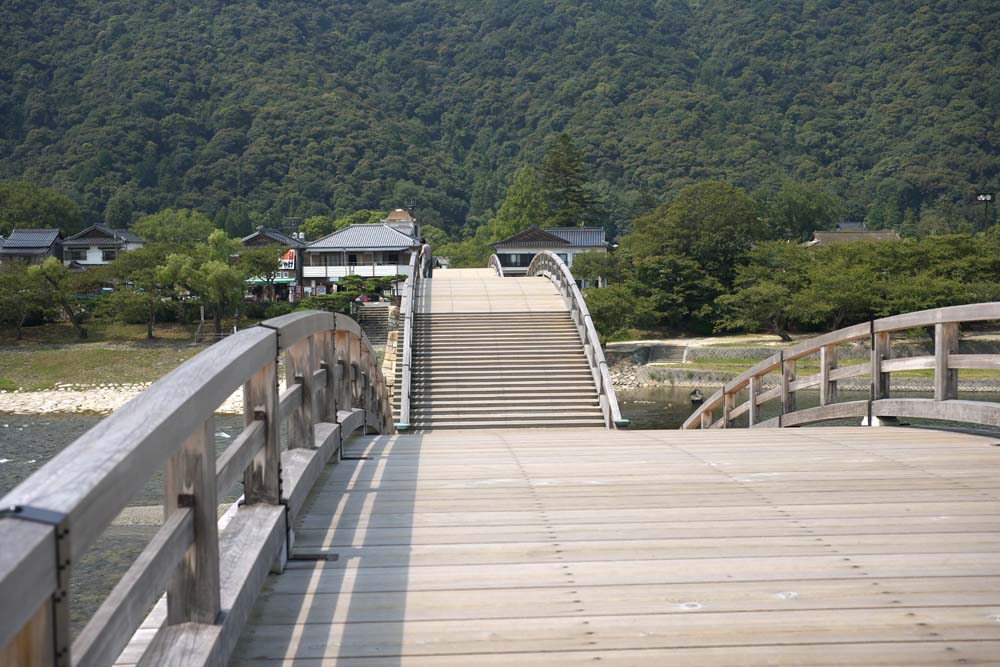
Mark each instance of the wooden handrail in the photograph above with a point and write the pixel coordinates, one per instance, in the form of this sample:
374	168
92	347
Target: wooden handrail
946	362
410	304
549	265
51	518
494	263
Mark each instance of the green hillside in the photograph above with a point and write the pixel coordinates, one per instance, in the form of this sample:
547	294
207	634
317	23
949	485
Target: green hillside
289	108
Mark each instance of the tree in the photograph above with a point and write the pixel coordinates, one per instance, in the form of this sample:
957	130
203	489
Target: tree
182	227
680	292
262	263
713	223
19	297
563	174
616	308
29	206
763	305
524	205
799	209
118	210
141	282
55	285
597	266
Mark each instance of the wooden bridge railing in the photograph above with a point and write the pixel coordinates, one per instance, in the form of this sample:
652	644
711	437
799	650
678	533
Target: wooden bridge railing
211	577
946	362
549	265
409	306
494	263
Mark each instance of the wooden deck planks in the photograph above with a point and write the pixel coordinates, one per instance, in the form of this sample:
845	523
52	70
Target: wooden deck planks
558	547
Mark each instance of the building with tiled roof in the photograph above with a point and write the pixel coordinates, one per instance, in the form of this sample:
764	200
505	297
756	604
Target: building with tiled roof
31	246
851	236
288	278
515	253
381	249
98	245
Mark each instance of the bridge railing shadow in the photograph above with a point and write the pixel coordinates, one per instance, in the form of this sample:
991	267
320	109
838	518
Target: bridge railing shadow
777	379
211	577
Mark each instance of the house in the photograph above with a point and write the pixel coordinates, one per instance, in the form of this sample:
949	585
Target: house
31	246
851	236
380	249
515	253
98	245
288	279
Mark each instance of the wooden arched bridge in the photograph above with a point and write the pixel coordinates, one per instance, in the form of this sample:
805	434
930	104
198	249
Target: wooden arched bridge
472	535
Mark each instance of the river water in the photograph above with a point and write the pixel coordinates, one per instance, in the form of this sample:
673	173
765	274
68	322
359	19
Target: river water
28	441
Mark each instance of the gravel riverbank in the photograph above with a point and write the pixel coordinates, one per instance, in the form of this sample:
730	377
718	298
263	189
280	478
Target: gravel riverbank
88	399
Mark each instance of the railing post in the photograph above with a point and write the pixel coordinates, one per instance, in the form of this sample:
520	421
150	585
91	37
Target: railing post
300	362
787	377
328	360
728	404
881	350
262	478
706	419
193	593
343	350
945	378
754	392
827	387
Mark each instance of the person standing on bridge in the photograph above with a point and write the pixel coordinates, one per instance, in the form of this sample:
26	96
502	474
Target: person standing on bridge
426	258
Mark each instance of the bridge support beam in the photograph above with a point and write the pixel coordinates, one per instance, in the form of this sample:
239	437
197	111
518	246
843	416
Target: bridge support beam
827	387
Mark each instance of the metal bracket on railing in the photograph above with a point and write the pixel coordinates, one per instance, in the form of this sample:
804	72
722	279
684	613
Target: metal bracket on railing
60	596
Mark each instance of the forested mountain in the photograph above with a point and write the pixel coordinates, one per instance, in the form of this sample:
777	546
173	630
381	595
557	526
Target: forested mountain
296	108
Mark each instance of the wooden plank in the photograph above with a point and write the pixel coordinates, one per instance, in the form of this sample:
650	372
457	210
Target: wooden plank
300	362
854	654
289	401
350	420
189	481
295	327
621	632
974	361
973	412
850	371
907	364
108	631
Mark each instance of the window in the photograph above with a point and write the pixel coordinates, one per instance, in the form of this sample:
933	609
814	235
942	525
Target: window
108	255
564	257
76	254
390	258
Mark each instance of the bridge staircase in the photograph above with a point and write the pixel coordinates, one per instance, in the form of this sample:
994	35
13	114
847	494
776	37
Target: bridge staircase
501	369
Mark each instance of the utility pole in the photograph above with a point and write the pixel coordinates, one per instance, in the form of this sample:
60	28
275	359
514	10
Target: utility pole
985	198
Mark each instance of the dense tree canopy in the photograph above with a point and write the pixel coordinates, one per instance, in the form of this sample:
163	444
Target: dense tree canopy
297	109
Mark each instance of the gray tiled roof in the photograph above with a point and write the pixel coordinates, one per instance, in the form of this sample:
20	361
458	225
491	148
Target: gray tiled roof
274	234
84	239
364	237
584	237
28	239
555	237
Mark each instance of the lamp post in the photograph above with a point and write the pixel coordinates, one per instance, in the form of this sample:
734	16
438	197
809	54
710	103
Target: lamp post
985	198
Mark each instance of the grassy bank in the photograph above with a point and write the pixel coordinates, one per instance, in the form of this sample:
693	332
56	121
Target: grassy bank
40	369
811	367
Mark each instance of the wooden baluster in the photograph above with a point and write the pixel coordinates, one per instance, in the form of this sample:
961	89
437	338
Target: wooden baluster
262	478
754	392
706	419
787	377
33	645
881	350
728	404
827	362
343	350
945	378
355	368
193	593
300	362
328	360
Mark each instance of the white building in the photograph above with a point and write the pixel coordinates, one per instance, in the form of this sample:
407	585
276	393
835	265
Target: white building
515	253
98	245
382	249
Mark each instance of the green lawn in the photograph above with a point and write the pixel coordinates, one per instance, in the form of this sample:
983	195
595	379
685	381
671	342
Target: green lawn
98	332
40	369
811	367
